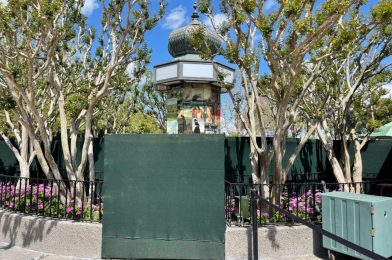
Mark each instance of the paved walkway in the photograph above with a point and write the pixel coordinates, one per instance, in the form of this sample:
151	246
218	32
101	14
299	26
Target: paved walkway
19	253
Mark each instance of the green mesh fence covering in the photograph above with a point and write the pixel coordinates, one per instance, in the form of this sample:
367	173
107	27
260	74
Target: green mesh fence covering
164	197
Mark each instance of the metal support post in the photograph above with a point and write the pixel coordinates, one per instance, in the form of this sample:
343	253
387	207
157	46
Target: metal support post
254	224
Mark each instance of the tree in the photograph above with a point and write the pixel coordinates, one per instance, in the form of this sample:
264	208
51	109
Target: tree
350	87
15	135
283	38
377	111
113	114
27	34
133	98
125	112
50	58
154	102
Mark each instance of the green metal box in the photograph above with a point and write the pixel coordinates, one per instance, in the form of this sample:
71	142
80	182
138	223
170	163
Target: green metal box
365	220
242	204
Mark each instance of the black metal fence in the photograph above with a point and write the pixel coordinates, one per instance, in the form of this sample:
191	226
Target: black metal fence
83	200
305	177
300	199
65	199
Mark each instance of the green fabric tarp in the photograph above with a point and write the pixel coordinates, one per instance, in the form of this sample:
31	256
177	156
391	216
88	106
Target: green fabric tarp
164	197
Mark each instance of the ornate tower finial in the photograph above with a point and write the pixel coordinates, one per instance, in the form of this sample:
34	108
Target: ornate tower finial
195	14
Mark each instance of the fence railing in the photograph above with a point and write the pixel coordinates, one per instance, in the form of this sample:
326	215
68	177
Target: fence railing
300	199
305	177
64	199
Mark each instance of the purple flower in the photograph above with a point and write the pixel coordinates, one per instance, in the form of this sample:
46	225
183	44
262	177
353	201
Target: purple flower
78	213
68	210
40	206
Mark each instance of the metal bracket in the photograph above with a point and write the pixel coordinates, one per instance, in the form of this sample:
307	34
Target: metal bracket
372	210
373	232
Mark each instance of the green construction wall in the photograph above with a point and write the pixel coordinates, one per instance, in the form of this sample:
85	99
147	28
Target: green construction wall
9	165
311	163
164	197
311	159
376	156
377	159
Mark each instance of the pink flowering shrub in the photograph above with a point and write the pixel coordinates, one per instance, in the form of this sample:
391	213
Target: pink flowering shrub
41	199
306	206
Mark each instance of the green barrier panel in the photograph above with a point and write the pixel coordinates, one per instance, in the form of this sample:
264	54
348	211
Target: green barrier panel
377	159
376	156
8	161
238	168
164	197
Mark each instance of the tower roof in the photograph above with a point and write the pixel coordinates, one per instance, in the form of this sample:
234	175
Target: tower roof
180	39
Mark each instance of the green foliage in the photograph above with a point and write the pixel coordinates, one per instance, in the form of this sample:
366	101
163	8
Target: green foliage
382	16
134	106
154	102
141	123
233	134
6	100
249	6
372	110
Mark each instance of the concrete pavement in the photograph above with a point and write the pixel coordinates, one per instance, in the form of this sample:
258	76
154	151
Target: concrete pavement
18	253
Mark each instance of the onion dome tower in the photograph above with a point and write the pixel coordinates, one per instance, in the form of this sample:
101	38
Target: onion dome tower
193	85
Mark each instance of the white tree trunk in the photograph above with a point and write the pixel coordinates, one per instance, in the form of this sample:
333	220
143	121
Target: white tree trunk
278	178
298	150
91	162
357	166
21	150
91	170
64	138
254	161
346	161
264	174
328	146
